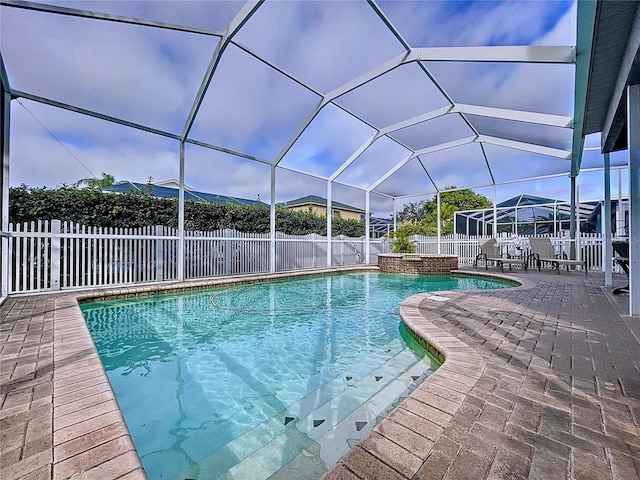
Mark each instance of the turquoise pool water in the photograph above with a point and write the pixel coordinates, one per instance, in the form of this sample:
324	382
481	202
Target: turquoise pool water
267	379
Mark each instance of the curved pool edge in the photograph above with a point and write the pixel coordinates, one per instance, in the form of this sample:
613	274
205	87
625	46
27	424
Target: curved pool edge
403	449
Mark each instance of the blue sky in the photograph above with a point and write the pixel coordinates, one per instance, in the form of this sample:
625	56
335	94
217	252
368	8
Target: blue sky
151	77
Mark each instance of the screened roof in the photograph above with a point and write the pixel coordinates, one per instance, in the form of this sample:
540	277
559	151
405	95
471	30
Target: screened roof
529	208
392	98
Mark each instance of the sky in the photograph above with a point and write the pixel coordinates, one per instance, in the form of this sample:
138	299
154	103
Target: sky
151	76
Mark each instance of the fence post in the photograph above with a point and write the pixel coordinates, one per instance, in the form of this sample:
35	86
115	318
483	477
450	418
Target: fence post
314	250
159	254
228	254
55	254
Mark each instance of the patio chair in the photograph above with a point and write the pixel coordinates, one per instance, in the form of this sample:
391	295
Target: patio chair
621	249
543	252
490	252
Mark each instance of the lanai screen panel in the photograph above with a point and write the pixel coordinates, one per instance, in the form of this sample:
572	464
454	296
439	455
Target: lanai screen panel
462	167
351	196
375	162
556	137
332	137
381	207
542	88
443	129
217	172
410	179
595	159
250	107
132	72
289	185
509	164
322	44
442	23
52	147
402	93
195	13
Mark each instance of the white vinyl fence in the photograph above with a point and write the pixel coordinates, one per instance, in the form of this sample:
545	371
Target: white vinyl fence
49	256
56	255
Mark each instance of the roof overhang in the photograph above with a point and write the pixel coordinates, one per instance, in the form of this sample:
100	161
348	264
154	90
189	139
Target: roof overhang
606	68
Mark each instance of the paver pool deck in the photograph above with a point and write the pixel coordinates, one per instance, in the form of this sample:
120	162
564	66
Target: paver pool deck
540	381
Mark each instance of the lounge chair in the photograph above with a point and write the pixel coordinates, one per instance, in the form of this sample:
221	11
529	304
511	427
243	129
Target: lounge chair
543	252
621	249
490	252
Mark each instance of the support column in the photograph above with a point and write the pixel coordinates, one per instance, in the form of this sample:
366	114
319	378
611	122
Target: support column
272	222
495	213
572	221
633	135
329	213
606	224
440	222
619	213
5	115
180	258
367	226
578	255
395	216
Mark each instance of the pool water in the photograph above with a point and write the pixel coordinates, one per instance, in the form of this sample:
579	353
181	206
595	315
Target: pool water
274	379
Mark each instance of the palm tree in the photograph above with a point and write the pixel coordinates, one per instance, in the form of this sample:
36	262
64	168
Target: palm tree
97	183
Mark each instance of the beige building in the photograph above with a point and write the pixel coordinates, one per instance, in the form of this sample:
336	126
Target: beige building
318	206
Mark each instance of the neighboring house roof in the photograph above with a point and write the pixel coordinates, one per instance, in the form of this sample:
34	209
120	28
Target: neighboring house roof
322	202
160	191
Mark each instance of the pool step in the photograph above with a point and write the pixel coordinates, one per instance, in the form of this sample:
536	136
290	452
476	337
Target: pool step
326	432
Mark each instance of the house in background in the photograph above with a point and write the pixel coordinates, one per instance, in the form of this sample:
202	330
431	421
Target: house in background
318	206
170	189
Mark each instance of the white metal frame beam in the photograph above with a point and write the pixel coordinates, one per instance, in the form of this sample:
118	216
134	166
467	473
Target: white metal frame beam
502	54
633	136
5	132
515	115
73	12
527	147
91	113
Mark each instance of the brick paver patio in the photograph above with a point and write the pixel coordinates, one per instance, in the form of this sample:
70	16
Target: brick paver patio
540	382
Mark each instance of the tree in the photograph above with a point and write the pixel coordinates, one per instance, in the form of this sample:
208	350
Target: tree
92	207
422	217
95	183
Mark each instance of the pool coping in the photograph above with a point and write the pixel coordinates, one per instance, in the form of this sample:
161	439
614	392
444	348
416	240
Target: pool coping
399	444
89	432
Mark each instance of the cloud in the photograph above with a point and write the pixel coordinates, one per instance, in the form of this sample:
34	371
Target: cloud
151	77
323	44
38	159
374	163
143	75
446	23
330	139
251	108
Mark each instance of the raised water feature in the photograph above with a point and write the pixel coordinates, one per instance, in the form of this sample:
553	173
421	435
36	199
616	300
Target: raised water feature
416	263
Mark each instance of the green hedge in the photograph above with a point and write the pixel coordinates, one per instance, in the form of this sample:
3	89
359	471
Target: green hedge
94	208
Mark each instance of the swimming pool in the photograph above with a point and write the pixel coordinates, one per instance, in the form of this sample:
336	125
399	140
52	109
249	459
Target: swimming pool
262	379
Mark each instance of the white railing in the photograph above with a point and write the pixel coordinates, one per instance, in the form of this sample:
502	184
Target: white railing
49	256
